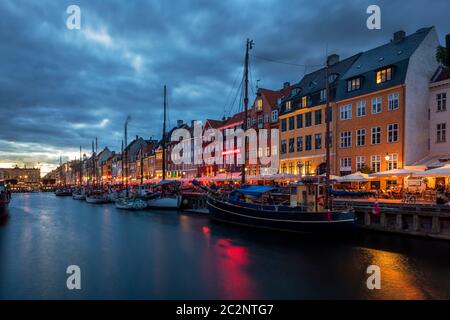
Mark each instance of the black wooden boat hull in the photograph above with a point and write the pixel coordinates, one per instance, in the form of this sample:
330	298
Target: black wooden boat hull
308	222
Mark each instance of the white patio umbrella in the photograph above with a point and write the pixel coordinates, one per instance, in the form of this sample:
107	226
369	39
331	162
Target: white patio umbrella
355	177
438	172
403	172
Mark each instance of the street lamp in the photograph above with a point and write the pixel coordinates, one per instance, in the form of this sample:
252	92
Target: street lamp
387	157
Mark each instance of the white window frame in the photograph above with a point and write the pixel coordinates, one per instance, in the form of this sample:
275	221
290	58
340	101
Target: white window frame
274	115
346	164
375	103
360	162
441	102
441	132
391	128
361	108
372	133
345	139
346	112
393	161
375	159
393	101
360	133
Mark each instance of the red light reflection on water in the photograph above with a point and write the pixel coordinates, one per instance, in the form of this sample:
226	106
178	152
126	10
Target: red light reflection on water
232	263
206	230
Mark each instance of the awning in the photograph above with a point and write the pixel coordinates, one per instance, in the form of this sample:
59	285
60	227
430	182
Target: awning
255	191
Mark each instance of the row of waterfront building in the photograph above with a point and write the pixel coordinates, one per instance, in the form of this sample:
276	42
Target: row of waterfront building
388	110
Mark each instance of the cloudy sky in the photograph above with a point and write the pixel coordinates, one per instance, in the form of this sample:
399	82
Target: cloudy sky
61	88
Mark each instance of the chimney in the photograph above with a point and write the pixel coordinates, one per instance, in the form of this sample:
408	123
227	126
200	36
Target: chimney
333	59
179	123
447	50
286	85
399	36
137	137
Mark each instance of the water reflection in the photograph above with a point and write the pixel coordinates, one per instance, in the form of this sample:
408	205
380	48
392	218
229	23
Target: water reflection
165	255
398	279
232	265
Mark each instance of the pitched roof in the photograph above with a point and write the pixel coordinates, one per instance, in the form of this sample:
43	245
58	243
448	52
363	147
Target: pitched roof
387	54
443	73
394	54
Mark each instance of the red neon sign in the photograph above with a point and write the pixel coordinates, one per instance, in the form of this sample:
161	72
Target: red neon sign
233	151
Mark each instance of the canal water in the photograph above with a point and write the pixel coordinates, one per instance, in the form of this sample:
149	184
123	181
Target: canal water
166	255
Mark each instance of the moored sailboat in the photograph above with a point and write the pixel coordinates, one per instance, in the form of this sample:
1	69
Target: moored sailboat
308	208
168	198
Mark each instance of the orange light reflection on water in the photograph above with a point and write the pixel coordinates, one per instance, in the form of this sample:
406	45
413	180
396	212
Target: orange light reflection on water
397	279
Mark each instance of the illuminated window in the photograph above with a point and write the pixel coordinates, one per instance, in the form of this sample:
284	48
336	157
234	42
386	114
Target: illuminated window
384	75
392	163
375	163
259	104
288	105
353	84
304	101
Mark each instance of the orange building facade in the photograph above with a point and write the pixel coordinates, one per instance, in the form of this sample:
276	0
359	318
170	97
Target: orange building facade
370	132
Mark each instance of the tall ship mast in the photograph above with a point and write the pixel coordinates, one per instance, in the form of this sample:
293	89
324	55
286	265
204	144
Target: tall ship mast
248	47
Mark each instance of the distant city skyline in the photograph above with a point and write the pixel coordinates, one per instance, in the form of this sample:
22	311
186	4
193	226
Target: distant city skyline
61	88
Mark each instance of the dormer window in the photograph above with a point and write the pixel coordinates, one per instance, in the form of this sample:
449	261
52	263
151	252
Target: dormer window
384	75
295	91
353	84
288	105
332	77
304	101
259	105
323	95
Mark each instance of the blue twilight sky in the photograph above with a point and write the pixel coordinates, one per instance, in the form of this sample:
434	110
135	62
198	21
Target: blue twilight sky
61	88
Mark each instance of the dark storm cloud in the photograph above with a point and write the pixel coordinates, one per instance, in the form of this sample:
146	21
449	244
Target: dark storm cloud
59	88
